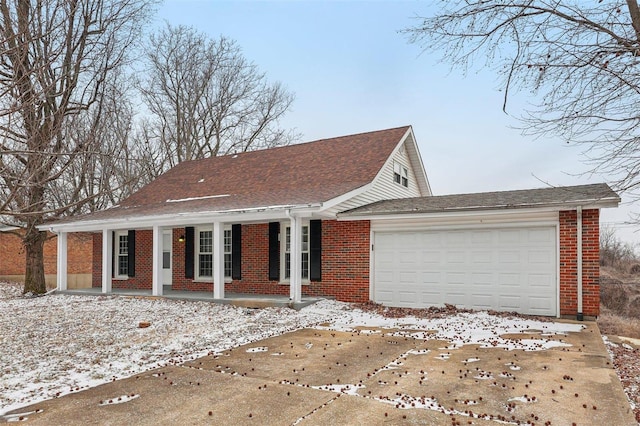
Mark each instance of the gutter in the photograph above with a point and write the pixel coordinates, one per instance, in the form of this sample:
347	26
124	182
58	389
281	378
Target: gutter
580	316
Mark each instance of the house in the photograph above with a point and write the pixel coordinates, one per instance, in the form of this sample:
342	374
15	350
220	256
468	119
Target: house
13	260
352	218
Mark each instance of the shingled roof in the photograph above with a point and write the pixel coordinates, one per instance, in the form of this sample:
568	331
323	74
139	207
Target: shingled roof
595	195
302	174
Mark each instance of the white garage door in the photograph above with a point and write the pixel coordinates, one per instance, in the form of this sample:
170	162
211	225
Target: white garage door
506	269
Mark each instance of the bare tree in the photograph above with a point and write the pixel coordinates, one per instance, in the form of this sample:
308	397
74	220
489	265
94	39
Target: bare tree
577	61
56	59
206	99
613	251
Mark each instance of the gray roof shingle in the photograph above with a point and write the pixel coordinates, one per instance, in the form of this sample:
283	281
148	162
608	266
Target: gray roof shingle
599	195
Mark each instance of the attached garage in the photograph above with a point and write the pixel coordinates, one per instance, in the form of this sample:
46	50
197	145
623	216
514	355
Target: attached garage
502	268
530	251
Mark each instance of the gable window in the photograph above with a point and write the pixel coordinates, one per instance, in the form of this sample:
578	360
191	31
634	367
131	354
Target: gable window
400	174
122	254
204	254
305	252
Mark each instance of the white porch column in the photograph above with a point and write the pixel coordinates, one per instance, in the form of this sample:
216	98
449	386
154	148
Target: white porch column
61	277
218	260
107	260
295	281
156	276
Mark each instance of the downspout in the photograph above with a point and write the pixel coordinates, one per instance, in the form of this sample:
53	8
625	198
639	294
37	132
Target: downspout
580	316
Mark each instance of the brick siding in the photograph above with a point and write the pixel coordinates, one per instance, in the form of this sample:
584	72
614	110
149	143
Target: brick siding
345	263
13	259
590	262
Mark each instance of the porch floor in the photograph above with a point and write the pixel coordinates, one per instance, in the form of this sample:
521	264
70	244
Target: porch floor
246	300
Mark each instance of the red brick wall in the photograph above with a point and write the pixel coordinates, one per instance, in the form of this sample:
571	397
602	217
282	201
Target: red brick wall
12	254
590	262
345	263
144	262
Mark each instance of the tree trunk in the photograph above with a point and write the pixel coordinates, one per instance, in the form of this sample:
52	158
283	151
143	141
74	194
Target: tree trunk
34	274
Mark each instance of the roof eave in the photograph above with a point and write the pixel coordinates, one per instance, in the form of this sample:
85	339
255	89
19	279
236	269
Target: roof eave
254	214
584	204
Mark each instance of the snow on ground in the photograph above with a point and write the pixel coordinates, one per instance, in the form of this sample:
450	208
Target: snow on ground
57	344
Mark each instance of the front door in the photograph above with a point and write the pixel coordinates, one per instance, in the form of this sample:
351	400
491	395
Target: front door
166	256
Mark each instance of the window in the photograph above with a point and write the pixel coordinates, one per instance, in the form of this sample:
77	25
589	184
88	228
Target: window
204	253
305	252
400	174
122	254
227	253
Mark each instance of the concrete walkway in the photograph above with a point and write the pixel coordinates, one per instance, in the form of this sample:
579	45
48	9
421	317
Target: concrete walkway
323	377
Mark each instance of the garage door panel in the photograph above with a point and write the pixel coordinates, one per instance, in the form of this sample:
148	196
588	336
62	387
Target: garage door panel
482	301
482	279
513	269
456	257
408	277
407	298
510	302
482	257
431	297
509	257
540	257
431	256
429	278
455	279
383	296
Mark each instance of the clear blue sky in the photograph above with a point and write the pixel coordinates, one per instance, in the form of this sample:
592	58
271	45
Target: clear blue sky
352	71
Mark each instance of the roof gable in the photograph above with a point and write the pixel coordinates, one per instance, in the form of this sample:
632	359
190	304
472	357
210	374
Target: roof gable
305	173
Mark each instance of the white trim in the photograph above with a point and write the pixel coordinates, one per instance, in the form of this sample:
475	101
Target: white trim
116	253
558	269
107	260
218	260
550	224
283	247
579	257
459	221
295	279
62	261
157	275
196	249
327	205
419	165
182	219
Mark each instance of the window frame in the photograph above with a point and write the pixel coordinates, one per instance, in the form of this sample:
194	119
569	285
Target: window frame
400	174
285	270
118	255
227	237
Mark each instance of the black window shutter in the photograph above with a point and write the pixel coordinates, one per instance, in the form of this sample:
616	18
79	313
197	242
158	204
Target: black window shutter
189	251
315	250
113	253
236	252
131	256
274	251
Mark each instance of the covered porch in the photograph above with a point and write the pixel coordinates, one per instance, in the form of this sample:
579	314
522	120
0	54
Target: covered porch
141	264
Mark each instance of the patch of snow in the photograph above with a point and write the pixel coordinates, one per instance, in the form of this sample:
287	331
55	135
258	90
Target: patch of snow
58	344
179	200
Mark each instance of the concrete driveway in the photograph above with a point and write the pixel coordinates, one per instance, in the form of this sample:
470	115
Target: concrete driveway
321	377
